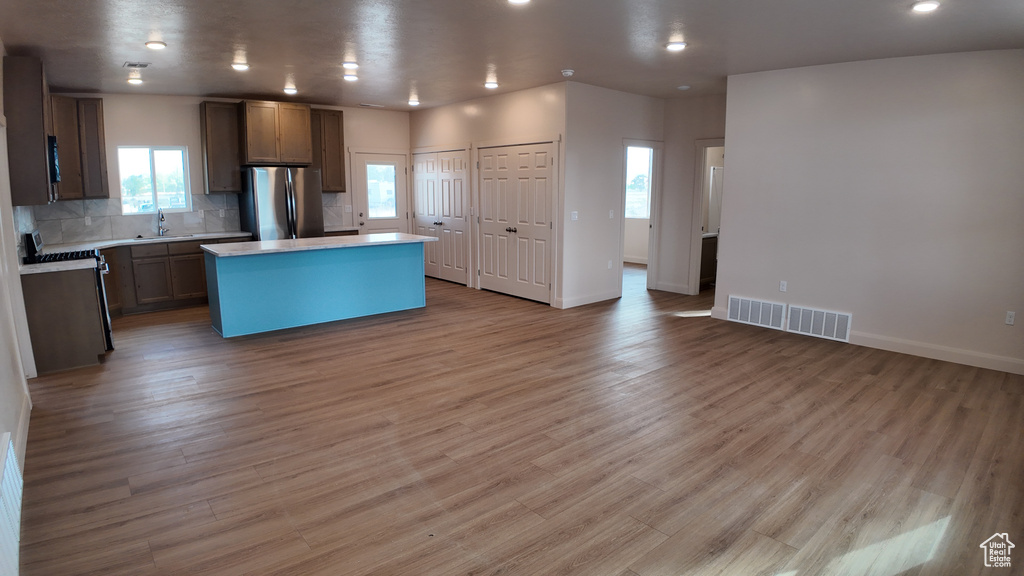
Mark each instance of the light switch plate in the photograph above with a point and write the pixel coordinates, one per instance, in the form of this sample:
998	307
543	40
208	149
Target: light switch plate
348	208
574	215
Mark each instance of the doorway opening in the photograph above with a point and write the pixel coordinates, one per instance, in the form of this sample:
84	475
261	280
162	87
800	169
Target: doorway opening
707	214
640	201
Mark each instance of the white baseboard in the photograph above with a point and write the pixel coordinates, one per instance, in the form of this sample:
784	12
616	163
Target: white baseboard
21	434
936	352
585	299
719	313
670	287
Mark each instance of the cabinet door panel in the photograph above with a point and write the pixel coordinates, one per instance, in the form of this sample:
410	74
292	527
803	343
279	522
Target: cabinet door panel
188	276
295	142
65	128
152	280
221	146
333	142
93	148
262	125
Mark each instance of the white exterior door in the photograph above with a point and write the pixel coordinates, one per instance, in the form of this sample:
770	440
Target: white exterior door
426	219
380	193
515	220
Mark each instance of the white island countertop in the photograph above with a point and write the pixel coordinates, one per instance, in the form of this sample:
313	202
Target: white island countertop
306	244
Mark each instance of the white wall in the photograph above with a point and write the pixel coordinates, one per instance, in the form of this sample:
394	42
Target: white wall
515	117
14	396
636	240
889	189
598	120
686	121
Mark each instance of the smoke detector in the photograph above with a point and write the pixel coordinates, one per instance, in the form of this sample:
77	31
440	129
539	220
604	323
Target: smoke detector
568	72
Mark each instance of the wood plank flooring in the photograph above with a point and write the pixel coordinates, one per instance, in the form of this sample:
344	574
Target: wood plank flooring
490	435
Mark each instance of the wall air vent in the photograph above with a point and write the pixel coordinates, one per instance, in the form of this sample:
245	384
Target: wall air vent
820	323
135	65
757	312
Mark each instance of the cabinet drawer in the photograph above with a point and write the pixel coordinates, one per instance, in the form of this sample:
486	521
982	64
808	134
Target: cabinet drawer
191	247
149	250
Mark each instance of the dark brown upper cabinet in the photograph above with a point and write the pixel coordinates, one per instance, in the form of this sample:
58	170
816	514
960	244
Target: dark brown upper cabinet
27	107
78	126
65	128
221	138
93	148
277	133
328	129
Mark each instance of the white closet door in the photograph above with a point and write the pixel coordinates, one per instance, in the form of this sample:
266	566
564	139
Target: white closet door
453	192
515	220
426	217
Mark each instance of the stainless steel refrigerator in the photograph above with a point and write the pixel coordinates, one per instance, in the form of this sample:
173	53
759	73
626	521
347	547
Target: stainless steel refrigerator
279	202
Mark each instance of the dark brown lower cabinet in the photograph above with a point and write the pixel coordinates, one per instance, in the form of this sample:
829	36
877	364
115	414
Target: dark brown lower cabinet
188	276
64	321
161	276
152	280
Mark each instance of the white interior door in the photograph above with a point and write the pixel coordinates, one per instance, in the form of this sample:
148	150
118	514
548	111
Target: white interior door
453	216
380	194
515	220
426	218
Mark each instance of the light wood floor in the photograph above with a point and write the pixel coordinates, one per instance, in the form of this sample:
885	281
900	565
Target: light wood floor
490	435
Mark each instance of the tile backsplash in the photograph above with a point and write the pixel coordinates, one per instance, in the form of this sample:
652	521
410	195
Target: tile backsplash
71	221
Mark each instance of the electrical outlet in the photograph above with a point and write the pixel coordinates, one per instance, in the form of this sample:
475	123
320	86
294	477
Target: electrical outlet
348	208
1010	316
782	286
609	264
611	214
88	221
220	212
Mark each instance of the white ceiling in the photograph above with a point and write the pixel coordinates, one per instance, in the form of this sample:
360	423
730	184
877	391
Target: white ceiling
443	49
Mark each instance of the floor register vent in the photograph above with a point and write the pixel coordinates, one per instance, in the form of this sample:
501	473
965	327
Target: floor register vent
757	312
10	508
820	323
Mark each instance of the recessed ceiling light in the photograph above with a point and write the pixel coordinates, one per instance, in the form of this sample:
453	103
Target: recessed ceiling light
414	102
490	85
350	77
290	90
135	81
240	66
926	6
675	46
350	65
683	87
518	1
156	45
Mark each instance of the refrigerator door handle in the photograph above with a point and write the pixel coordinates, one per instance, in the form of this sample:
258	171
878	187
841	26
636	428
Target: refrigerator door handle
290	201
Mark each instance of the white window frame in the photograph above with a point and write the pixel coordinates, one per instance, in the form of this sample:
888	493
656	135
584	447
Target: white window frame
152	178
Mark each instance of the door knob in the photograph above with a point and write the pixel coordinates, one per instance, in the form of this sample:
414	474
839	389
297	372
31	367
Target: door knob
361	223
360	214
508	229
515	230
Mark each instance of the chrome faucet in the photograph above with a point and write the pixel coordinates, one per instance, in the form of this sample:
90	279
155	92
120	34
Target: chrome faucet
161	229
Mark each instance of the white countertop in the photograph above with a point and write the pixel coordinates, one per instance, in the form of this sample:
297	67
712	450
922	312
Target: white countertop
64	266
304	244
104	244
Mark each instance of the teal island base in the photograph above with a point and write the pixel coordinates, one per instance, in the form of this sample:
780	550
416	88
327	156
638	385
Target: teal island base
291	283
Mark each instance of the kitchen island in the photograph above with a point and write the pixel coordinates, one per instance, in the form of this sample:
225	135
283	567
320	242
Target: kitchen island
258	287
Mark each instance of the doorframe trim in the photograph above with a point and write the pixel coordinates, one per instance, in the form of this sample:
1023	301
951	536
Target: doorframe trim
701	151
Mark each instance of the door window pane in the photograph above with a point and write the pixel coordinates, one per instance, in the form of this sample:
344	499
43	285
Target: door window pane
639	163
380	190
